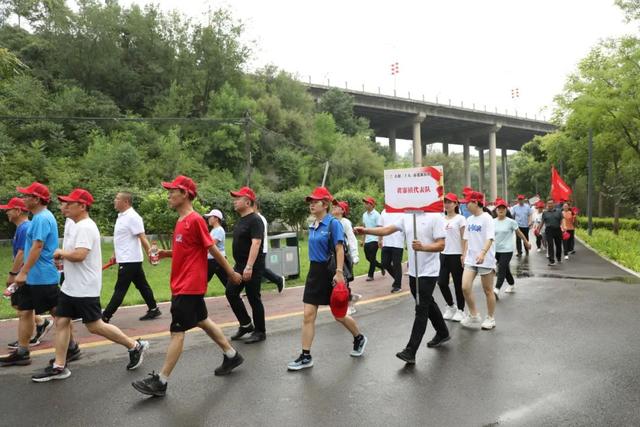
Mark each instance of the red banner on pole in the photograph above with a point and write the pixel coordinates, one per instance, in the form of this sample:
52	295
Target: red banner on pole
560	191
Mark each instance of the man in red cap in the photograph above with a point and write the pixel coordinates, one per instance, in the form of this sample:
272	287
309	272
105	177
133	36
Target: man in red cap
17	213
79	295
38	277
371	243
248	235
522	214
191	243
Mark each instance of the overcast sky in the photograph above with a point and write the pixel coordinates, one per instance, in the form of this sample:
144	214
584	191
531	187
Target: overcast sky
475	51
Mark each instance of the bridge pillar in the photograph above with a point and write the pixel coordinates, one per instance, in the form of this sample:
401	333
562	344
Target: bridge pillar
445	148
467	162
481	167
493	167
417	139
392	142
505	180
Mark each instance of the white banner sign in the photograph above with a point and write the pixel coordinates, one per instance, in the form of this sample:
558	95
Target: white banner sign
414	189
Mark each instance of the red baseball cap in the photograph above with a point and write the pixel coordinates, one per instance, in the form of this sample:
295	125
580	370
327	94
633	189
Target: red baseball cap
521	197
339	301
451	196
15	203
500	202
78	195
540	204
344	205
476	197
182	182
36	189
369	200
244	192
320	193
467	190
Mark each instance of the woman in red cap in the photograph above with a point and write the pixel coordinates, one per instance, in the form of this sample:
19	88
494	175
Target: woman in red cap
451	259
325	236
568	225
536	220
479	260
505	226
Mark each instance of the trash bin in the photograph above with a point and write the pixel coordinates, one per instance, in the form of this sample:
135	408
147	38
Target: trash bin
284	259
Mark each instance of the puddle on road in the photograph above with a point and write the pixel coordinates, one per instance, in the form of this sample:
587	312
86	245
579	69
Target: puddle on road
630	280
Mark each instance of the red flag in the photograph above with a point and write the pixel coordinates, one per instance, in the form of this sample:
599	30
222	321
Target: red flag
560	191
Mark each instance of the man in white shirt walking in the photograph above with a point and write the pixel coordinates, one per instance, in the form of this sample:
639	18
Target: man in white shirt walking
128	240
392	249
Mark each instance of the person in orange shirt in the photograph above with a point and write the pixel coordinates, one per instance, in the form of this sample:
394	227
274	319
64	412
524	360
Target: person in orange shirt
569	225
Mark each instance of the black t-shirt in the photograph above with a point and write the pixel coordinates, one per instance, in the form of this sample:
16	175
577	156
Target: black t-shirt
247	228
552	218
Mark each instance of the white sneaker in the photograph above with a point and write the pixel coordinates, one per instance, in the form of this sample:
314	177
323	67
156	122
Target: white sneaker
459	316
538	250
566	257
449	312
351	310
355	298
489	323
510	289
496	292
471	321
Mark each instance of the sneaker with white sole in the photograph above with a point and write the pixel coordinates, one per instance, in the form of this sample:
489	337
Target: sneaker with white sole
51	373
136	355
496	292
488	324
449	312
510	289
359	343
471	321
351	310
459	316
303	361
566	257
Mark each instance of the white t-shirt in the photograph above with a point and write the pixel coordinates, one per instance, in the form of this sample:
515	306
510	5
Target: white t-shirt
217	234
536	219
84	279
126	243
430	228
453	241
351	239
265	240
395	240
68	229
480	229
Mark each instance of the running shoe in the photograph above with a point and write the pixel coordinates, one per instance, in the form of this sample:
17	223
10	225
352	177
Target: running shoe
407	355
33	342
510	289
471	321
137	354
351	310
488	324
459	316
437	341
281	285
496	292
151	386
359	343
42	330
151	314
72	354
242	331
229	364
51	373
566	257
394	290
303	361
449	312
15	359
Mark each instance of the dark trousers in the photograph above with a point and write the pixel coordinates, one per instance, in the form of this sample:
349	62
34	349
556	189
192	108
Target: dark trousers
519	243
253	295
554	238
213	268
130	272
504	271
426	310
392	262
271	276
539	240
569	244
370	251
450	265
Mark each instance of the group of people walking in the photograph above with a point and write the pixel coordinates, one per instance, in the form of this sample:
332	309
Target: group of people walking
449	245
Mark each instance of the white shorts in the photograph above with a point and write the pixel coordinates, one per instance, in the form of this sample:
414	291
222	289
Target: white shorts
483	271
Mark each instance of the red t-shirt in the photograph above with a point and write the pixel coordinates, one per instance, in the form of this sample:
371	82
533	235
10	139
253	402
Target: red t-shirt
191	243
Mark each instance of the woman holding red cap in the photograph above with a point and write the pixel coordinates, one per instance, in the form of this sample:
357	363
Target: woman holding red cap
479	260
451	259
504	228
326	236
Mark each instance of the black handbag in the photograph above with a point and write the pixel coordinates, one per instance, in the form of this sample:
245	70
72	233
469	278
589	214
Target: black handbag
347	267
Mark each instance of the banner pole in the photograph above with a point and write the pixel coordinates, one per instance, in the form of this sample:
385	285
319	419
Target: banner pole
415	259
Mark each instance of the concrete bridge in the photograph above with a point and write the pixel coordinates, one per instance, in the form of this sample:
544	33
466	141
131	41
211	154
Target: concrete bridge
429	122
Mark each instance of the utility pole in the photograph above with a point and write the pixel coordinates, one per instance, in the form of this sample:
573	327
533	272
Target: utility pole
247	147
590	184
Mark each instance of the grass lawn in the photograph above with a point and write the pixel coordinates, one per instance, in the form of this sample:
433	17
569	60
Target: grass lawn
622	248
158	277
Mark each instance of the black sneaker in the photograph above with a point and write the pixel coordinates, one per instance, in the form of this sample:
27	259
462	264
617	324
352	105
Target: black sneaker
242	331
572	252
137	354
229	364
15	359
32	343
151	314
551	264
256	337
303	361
281	285
437	341
72	354
359	343
394	290
151	386
51	373
41	330
407	355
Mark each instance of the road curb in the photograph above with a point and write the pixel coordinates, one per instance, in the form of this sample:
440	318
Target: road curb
617	264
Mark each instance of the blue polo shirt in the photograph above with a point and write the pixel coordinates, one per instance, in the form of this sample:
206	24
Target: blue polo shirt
20	237
45	229
319	249
521	214
371	220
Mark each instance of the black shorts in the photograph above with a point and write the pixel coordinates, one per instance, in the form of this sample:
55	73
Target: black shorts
41	298
318	286
86	308
187	311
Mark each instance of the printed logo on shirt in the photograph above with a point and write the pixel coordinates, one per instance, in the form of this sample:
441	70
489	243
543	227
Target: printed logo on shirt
475	227
179	238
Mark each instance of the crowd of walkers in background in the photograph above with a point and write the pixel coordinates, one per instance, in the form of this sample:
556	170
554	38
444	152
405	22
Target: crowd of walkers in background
471	238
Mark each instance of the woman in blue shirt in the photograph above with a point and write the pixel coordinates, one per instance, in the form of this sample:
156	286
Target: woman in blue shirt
215	218
504	229
325	236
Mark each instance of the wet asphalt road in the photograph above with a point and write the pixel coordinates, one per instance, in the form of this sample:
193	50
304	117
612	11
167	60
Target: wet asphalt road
565	352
